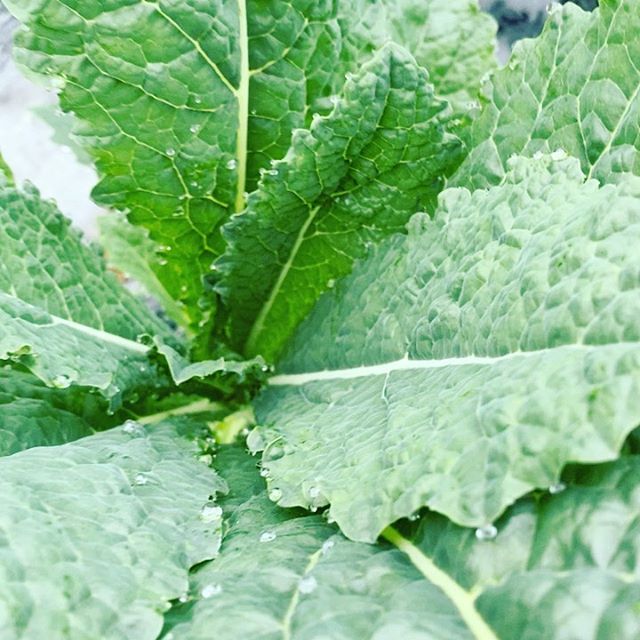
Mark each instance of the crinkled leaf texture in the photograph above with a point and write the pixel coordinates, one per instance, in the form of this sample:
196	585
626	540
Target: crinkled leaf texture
283	574
99	535
453	39
466	364
576	87
353	178
182	103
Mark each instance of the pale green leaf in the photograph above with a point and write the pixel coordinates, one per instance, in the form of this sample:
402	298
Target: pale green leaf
354	177
576	87
181	103
464	365
560	567
99	535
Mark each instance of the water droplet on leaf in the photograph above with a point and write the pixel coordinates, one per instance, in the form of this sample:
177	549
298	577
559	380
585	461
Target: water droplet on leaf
211	590
327	545
275	495
170	152
267	536
61	382
307	584
210	513
488	532
141	479
133	428
232	164
557	487
194	128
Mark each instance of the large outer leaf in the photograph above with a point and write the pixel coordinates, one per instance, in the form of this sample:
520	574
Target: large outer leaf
355	177
33	415
465	365
576	87
284	574
181	103
562	567
99	535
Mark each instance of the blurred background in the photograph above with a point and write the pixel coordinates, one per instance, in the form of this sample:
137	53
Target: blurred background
31	123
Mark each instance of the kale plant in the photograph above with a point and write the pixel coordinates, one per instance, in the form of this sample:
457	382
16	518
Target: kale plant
388	380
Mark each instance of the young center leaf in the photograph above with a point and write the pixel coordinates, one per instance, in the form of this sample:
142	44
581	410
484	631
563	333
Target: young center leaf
99	535
284	574
576	87
464	365
181	103
354	177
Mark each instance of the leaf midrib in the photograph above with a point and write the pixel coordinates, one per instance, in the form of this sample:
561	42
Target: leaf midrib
405	363
102	336
462	600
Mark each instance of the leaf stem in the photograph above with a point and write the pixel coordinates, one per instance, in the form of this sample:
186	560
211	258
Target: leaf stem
199	406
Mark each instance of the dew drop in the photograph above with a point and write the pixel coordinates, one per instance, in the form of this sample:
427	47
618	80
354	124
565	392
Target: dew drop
275	495
140	479
170	152
558	154
307	584
211	590
61	382
198	100
264	472
331	283
253	112
232	164
183	598
314	492
264	368
488	532
267	536
210	513
133	428
194	128
327	545
557	487
195	184
162	262
414	517
183	289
